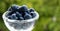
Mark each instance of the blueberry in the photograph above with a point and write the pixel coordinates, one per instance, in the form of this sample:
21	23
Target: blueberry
21	18
9	13
14	8
23	9
31	10
28	12
22	13
27	16
13	16
18	14
33	15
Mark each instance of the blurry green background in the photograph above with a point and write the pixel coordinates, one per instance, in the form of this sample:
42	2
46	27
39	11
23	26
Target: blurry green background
49	11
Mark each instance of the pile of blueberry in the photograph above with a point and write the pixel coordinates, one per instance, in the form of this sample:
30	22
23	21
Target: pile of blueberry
20	13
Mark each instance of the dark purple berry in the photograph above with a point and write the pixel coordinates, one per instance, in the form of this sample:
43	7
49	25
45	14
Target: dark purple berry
14	8
21	18
33	15
18	14
23	9
27	16
31	10
13	16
